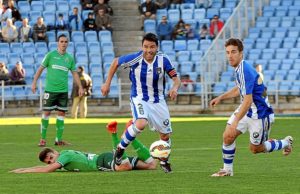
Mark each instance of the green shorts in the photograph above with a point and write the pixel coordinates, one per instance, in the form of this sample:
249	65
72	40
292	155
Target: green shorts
55	101
105	162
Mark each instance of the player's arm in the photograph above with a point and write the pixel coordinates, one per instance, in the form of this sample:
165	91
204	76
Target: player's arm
112	70
234	92
39	169
173	91
78	82
141	165
36	77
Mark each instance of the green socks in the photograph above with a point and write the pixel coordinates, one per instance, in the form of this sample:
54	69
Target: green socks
60	126
141	150
44	127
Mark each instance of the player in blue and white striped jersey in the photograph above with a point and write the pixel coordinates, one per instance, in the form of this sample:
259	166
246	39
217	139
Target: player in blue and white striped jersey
254	113
148	69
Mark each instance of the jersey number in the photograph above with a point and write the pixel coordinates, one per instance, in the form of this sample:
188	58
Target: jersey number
141	109
46	96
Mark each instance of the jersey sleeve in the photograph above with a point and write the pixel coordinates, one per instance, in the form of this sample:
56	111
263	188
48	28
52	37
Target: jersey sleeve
130	59
248	78
169	68
45	62
64	158
73	66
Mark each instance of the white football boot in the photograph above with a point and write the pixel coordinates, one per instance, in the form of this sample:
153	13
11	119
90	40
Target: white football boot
223	172
287	150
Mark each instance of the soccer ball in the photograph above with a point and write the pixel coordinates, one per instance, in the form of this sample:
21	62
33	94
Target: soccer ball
160	150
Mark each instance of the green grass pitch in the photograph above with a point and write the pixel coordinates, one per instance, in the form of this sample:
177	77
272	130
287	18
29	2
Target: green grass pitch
196	154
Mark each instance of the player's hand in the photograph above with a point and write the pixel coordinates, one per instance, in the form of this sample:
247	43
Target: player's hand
105	89
214	102
33	88
81	92
173	93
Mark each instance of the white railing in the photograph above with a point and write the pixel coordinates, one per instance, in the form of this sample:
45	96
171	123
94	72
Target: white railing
214	60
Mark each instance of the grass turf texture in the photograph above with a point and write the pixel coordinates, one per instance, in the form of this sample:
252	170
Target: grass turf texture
196	154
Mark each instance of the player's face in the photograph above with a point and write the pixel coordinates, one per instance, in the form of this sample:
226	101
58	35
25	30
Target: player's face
62	44
149	49
51	158
234	56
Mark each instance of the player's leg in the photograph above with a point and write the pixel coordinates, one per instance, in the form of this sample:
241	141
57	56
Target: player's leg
259	130
140	112
83	107
229	146
62	103
74	111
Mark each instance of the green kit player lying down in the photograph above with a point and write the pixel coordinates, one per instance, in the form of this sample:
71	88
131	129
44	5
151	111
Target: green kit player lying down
71	160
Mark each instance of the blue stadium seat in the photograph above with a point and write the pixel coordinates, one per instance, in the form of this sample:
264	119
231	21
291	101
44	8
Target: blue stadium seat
180	45
183	56
219	88
280	75
254	33
263	62
281	11
266	33
105	36
4	48
226	76
225	13
33	15
85	13
217	4
97	78
82	58
80	47
66	33
280	32
202	22
284	88
71	48
13	58
261	22
210	12
166	45
171	55
96	68
196	56
3	58
287	2
77	36
274	22
293	32
51	36
39	57
150	26
274	64
248	43
275	43
254	54
94	47
29	70
289	42
52	46
49	17
292	75
193	24
192	45
62	5
50	6
16	47
73	4
261	43
297	21
107	46
37	6
199	14
187	14
267	54
27	58
91	36
281	53
205	44
173	15
294	53
275	3
187	5
186	66
23	6
286	22
298	43
107	57
230	3
287	64
8	93
293	11
95	58
114	91
268	75
160	13
28	47
268	11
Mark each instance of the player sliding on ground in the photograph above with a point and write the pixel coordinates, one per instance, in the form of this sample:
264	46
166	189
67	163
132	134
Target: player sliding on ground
77	161
254	114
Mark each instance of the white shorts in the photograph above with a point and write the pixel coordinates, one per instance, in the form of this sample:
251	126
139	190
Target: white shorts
157	114
259	129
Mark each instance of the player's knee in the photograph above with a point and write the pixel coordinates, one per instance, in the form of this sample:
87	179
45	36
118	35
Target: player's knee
152	165
141	124
228	139
255	149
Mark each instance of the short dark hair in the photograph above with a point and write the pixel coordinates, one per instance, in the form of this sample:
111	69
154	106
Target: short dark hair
235	42
150	37
81	68
60	36
43	154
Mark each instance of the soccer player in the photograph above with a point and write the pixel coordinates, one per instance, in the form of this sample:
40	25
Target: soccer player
254	113
58	63
148	106
77	161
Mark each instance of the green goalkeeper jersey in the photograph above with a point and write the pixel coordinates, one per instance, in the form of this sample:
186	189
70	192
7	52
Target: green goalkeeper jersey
82	162
58	67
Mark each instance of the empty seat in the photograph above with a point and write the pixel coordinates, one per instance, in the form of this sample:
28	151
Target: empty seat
77	36
294	53
287	22
171	55
49	17
39	58
62	6
179	45
4	48
187	14
287	64
281	53
293	11
204	44
95	58
29	47
50	6
173	15
261	22
293	32
80	47
281	11
289	42
199	14
261	43
196	56
16	47
13	58
225	13
94	47
34	15
266	33
275	43
37	6
160	13
81	58
254	54
27	58
268	54
254	33
150	26
280	32
51	36
107	57
105	36
66	33
192	45
186	66
96	68
211	12
268	11
23	6
91	36
107	47
274	22
183	56
166	45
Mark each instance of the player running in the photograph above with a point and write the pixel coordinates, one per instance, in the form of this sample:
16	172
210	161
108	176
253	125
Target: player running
78	161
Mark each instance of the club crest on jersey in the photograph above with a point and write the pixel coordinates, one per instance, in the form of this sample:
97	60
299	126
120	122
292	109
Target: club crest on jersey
158	70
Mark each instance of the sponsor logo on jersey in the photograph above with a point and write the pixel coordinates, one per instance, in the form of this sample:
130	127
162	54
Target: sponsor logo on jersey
158	70
255	134
166	122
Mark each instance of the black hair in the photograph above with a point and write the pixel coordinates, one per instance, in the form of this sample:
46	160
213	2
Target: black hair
43	154
235	42
60	36
150	37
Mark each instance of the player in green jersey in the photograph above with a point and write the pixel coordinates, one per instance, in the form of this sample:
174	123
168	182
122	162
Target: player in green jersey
58	64
77	161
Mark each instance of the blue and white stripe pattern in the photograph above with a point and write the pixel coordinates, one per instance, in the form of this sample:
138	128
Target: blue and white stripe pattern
249	82
148	79
129	135
228	154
